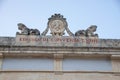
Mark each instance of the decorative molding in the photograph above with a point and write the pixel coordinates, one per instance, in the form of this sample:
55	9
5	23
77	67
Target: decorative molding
115	56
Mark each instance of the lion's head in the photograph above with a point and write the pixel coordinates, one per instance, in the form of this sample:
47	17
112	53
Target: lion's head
21	26
92	28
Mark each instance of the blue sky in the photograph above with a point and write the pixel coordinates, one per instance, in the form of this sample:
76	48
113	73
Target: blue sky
80	14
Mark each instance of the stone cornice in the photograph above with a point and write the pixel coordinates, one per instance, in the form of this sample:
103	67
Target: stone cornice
63	42
59	54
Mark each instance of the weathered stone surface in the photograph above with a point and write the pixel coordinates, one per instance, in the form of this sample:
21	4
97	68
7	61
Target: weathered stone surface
59	48
51	76
8	41
64	41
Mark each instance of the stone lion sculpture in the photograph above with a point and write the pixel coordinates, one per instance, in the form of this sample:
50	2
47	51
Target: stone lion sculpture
27	31
89	32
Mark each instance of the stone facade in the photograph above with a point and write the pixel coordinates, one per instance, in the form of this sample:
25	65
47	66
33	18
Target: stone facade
10	48
83	45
